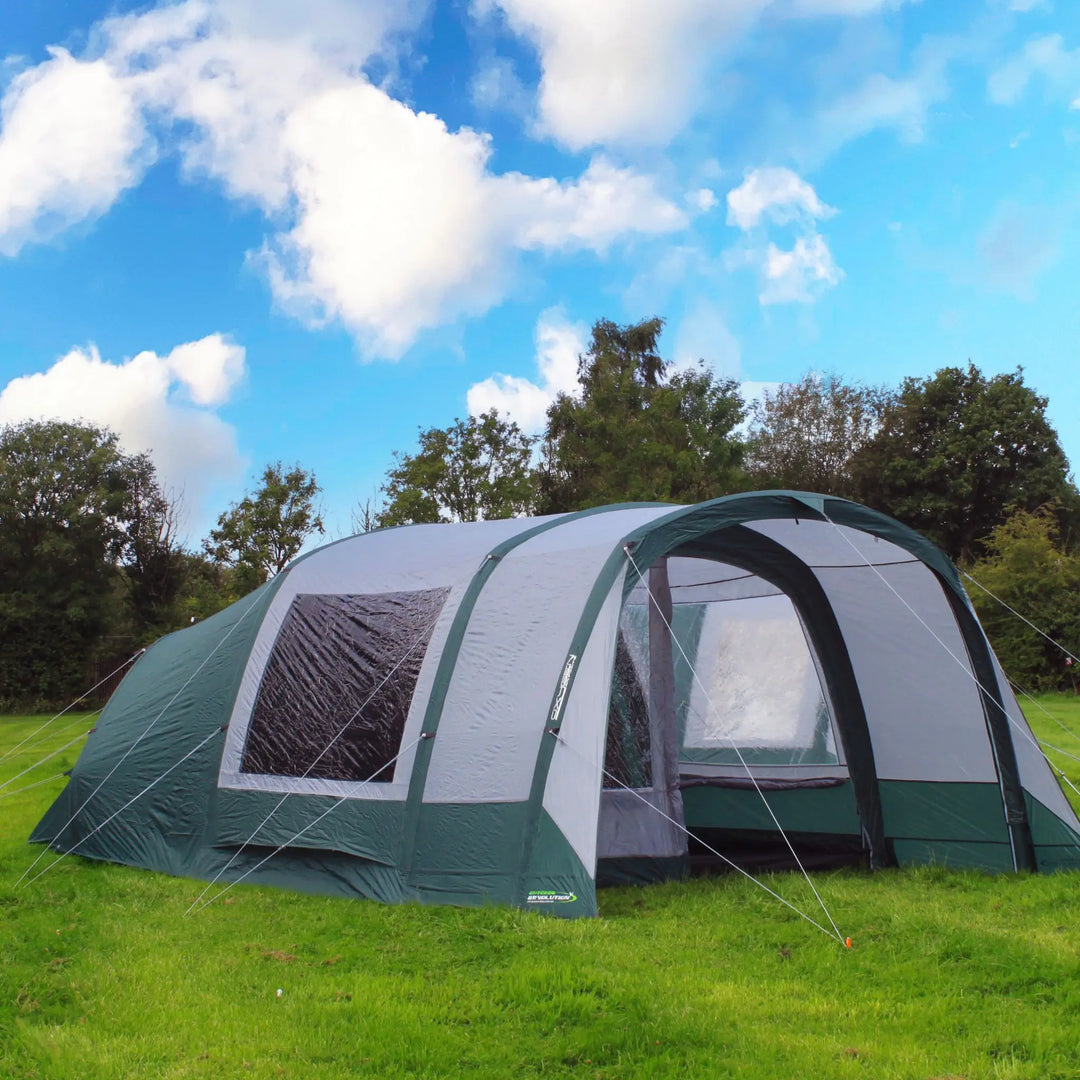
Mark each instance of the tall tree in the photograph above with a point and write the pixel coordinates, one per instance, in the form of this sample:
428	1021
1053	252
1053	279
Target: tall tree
1026	567
957	450
262	533
804	435
64	495
637	429
476	469
155	564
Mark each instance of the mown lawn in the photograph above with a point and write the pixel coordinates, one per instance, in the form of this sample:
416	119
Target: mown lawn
951	974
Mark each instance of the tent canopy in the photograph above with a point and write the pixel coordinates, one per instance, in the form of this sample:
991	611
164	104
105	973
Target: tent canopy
506	711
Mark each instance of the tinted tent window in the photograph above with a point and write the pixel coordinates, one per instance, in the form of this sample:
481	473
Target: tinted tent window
336	692
627	755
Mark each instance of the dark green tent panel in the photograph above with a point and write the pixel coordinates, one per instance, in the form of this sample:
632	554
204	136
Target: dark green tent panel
510	711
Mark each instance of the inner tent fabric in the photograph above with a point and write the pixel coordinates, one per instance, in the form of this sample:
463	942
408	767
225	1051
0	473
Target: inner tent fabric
511	711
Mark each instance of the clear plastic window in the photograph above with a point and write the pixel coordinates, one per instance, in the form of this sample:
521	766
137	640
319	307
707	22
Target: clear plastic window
336	691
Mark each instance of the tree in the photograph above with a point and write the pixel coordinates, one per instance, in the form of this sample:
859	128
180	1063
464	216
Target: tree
1025	566
262	533
638	429
64	496
956	450
476	469
155	565
804	435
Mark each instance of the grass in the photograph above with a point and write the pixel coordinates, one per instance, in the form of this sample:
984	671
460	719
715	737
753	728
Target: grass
951	974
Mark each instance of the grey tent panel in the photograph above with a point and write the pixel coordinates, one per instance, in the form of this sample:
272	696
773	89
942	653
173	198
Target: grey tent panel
921	699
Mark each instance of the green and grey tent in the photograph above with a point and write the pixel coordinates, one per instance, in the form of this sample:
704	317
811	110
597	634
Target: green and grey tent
510	711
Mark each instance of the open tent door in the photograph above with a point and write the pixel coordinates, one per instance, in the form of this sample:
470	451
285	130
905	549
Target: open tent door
756	725
640	837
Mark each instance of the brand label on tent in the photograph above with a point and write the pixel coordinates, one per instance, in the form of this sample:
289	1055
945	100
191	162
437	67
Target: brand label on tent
551	896
564	685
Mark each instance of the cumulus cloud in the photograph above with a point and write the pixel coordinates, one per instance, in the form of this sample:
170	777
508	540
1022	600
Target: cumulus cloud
799	275
386	220
634	71
777	194
559	343
72	141
780	197
160	405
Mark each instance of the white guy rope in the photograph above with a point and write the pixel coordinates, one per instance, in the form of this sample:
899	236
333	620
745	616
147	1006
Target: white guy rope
116	813
33	734
682	828
341	731
29	787
31	768
296	836
206	660
735	746
1057	644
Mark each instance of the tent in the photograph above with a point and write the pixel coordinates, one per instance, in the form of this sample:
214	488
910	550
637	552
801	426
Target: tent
509	711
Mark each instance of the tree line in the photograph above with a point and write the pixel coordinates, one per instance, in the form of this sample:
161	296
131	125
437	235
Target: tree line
91	566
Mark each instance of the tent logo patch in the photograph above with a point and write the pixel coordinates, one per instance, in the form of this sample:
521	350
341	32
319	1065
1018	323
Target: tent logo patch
550	896
564	685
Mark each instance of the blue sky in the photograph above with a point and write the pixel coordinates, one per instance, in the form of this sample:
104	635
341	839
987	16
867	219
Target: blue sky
238	231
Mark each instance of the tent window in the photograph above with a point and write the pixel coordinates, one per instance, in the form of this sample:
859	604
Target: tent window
627	755
764	692
337	689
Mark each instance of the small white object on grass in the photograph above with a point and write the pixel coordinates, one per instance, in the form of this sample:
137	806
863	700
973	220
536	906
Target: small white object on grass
280	992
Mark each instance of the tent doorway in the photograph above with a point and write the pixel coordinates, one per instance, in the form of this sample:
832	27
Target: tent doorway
718	703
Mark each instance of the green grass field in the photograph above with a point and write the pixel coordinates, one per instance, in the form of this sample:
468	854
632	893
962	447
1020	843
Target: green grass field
951	974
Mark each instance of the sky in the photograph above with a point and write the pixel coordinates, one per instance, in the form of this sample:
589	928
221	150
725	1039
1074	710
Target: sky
243	231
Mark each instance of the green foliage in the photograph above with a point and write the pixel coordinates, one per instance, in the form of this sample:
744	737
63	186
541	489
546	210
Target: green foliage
952	974
1025	566
956	450
155	565
476	469
262	533
804	435
637	430
64	506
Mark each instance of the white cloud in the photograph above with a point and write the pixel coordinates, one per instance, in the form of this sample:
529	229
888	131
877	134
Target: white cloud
401	226
800	275
630	71
559	343
635	71
777	194
72	140
387	220
1042	56
156	404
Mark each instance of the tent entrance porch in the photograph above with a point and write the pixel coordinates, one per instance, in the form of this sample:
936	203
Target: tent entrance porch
717	698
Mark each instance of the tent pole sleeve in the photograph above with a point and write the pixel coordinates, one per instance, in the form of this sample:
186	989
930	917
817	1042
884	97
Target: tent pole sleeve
998	728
